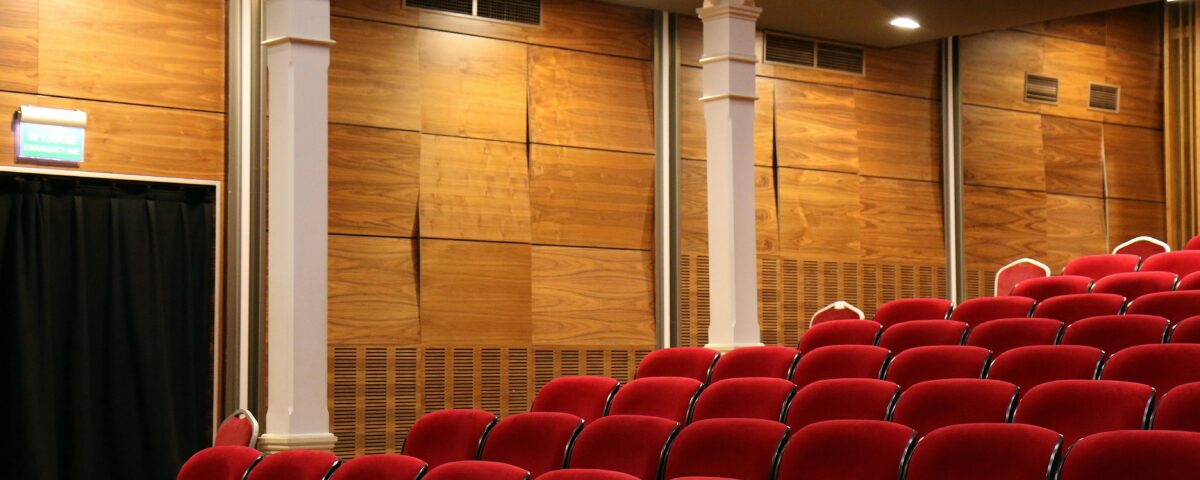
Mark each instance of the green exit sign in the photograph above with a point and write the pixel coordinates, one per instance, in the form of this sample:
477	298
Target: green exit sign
48	134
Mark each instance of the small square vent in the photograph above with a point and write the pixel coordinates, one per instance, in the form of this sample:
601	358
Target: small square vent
1104	97
518	11
805	52
1041	89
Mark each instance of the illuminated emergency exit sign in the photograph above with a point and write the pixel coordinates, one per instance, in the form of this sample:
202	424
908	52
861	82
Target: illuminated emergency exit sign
50	134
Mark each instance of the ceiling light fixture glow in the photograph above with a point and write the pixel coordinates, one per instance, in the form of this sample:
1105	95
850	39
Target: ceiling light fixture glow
905	23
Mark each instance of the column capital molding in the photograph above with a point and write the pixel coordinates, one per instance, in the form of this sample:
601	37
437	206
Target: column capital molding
727	347
736	9
298	39
272	443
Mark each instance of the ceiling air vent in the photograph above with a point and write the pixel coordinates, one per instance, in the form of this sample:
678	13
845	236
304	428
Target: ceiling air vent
840	58
1040	88
465	7
1104	97
520	11
790	50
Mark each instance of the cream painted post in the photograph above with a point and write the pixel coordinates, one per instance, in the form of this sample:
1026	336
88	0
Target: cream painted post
729	95
297	41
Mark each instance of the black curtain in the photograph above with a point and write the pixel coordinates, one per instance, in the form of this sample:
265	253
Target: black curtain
106	297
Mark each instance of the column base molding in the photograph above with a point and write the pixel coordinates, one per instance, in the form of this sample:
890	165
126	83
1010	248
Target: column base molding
274	442
725	347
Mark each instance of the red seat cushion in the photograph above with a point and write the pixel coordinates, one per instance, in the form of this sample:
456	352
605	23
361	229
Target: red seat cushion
1190	282
1183	262
846	450
1134	454
774	362
1100	266
1046	287
1159	366
477	470
1177	410
1135	284
1186	331
235	431
293	465
586	474
380	467
1174	306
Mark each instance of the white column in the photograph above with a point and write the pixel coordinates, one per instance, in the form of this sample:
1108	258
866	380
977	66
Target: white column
297	40
729	96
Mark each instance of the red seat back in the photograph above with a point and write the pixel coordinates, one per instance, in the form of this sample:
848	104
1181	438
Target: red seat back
1142	246
842	399
293	465
1135	284
1183	262
846	450
979	310
1177	409
933	404
1078	408
536	441
1193	243
748	397
1100	266
631	444
227	462
741	448
1112	333
1005	334
585	397
840	361
448	436
774	362
985	451
1186	331
477	470
1159	366
1046	287
937	362
691	362
1190	282
1069	308
380	467
1028	367
840	332
1174	306
903	310
1129	454
839	310
1016	272
918	333
586	474
664	397
238	429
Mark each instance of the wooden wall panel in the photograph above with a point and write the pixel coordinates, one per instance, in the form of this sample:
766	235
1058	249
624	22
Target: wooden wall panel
1140	78
497	276
764	122
130	51
474	189
586	296
1001	225
816	127
1075	226
993	67
590	26
900	221
19	46
472	86
1002	148
1090	28
373	75
1076	65
818	213
909	70
1072	154
372	290
1132	218
766	214
898	137
692	136
1134	158
592	198
1137	28
693	214
374	175
593	101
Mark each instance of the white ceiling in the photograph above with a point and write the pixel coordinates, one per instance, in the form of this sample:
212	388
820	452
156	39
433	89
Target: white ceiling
865	22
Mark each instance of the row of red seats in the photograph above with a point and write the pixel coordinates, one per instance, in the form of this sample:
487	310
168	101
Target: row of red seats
1143	254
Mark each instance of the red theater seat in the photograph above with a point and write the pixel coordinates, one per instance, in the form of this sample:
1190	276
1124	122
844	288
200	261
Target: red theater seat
631	444
919	333
225	462
930	405
664	397
1046	287
1142	246
1159	366
380	467
1135	284
1069	308
536	441
448	436
741	448
841	361
846	450
1100	266
240	428
477	470
1186	331
1005	334
583	396
293	465
979	310
1112	333
1016	272
1193	243
842	399
1190	282
936	362
1178	409
774	362
1078	408
1182	263
691	362
840	332
586	474
839	310
985	451
897	311
1174	306
1134	454
750	397
1028	367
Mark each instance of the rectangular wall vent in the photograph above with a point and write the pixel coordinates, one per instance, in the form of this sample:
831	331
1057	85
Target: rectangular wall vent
1041	89
528	12
811	53
1104	97
465	7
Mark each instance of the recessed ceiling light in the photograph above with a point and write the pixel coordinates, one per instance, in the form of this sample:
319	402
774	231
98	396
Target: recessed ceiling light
905	22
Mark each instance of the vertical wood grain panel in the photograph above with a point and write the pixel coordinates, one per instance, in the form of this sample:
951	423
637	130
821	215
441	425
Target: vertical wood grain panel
475	292
993	67
898	137
1091	28
911	70
472	86
1072	152
1134	158
592	198
1133	218
1076	65
373	75
474	189
1075	226
693	216
372	290
818	214
1140	78
816	127
766	214
1136	28
1001	225
380	10
1002	148
374	176
19	46
901	221
595	27
764	122
585	296
692	136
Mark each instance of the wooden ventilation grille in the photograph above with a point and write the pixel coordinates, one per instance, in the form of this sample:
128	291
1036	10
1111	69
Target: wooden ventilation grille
465	7
520	11
1041	89
810	53
840	58
1104	97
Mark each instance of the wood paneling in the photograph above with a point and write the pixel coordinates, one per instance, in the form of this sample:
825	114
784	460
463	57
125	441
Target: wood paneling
1136	28
898	137
475	292
816	127
691	40
137	140
593	101
19	46
910	70
766	215
1140	78
1134	159
1089	28
692	137
693	209
1001	225
1002	148
993	67
1075	226
374	175
595	27
1076	65
373	75
381	10
472	86
372	290
1072	152
764	122
584	296
474	189
592	198
818	214
901	221
1133	218
168	54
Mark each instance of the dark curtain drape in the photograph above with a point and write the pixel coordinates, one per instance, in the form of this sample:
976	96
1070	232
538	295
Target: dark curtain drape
106	297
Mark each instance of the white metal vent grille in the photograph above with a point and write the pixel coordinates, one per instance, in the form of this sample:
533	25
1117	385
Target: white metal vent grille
1041	89
1104	97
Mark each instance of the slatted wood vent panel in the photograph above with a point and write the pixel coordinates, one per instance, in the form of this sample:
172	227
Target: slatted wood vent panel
810	53
1041	89
1105	98
519	11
